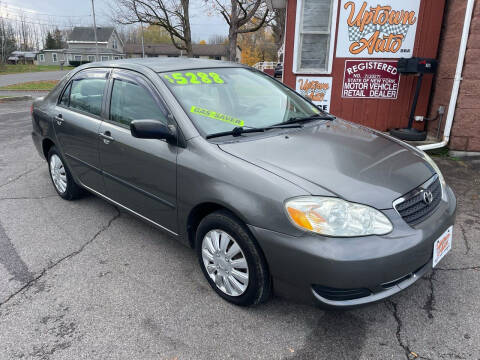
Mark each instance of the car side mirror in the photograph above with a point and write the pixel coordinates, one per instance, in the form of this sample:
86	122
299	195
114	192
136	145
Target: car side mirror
153	129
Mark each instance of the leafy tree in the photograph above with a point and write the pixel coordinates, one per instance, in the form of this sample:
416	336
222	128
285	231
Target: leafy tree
154	34
57	36
50	42
202	42
258	46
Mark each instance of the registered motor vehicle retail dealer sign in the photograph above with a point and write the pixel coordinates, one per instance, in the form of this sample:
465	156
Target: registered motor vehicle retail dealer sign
371	79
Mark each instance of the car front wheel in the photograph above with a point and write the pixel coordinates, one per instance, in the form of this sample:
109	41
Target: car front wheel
231	260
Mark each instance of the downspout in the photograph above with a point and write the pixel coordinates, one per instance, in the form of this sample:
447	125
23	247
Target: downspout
456	81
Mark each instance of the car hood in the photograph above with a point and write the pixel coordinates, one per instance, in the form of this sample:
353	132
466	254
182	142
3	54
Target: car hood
345	159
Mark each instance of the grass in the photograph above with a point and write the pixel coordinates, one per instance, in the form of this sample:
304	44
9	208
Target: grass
21	68
32	85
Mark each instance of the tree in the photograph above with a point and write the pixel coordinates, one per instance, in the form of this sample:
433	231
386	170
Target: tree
7	40
57	36
171	15
278	27
155	34
50	42
203	42
242	16
258	46
218	39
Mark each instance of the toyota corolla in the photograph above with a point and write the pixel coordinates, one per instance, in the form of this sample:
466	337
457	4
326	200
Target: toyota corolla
270	191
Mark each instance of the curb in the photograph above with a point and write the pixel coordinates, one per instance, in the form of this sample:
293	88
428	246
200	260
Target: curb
16	98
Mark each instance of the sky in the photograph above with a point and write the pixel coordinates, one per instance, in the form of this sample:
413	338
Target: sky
78	12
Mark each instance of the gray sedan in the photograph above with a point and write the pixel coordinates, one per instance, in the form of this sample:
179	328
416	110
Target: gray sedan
270	191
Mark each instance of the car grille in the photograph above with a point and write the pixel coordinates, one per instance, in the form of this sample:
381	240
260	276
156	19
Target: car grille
412	206
340	294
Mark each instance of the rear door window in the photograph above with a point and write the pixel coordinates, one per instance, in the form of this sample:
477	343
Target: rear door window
132	101
87	94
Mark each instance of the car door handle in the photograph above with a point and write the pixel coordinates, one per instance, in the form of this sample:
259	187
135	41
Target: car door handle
106	136
59	119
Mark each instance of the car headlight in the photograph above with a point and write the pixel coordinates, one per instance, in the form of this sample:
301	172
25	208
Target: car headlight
435	167
336	217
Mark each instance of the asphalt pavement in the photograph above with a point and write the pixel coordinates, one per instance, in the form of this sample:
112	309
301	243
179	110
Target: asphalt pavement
83	280
10	79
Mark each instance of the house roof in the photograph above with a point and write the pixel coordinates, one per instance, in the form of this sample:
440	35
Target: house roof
86	34
89	50
169	49
25	54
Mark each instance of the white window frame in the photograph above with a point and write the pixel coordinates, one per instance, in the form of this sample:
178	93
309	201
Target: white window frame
54	57
297	45
92	57
104	58
114	43
75	57
41	57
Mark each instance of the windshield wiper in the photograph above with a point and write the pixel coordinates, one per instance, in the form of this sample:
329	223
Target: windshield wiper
237	131
309	118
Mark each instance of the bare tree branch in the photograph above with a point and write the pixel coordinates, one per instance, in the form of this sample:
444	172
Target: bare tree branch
171	15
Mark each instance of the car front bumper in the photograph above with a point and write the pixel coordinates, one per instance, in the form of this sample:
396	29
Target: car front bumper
379	265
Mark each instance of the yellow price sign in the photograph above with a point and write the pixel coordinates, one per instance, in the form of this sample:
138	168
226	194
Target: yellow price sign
199	77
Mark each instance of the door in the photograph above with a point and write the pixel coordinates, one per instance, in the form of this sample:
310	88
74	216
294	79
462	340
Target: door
140	174
78	115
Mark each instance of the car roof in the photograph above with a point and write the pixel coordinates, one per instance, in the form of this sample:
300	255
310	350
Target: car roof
165	64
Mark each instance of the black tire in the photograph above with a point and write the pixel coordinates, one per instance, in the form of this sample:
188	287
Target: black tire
409	134
72	191
259	284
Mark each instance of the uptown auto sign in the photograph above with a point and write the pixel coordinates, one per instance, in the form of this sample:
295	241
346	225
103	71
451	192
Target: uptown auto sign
377	29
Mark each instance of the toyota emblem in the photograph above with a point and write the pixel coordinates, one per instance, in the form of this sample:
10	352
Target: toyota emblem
427	197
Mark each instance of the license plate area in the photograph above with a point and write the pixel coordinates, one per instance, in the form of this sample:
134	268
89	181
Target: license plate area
442	246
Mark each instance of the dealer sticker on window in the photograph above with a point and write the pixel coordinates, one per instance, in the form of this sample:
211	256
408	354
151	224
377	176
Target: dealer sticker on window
442	246
216	115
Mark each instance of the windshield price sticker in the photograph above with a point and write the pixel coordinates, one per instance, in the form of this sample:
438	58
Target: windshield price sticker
217	116
188	78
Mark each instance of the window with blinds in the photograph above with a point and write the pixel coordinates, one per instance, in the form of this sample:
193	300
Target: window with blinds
315	35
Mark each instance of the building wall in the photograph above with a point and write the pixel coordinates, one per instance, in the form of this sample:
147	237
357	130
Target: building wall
380	114
465	135
86	45
49	58
119	43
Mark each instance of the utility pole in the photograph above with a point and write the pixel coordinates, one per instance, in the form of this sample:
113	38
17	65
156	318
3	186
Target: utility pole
95	31
143	46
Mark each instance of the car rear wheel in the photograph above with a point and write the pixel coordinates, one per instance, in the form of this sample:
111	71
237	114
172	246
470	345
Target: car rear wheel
61	177
231	261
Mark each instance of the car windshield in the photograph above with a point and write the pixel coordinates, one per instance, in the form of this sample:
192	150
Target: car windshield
221	99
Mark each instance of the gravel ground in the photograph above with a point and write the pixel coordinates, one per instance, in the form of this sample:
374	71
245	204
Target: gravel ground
81	280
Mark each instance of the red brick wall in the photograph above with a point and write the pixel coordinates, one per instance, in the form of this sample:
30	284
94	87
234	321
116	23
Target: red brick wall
465	135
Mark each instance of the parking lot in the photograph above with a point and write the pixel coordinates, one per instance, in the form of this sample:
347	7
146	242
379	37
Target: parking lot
83	280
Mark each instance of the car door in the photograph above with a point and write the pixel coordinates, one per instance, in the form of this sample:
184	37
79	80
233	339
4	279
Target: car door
139	174
77	119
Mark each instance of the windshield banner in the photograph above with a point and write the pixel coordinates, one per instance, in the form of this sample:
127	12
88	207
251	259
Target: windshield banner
377	29
316	88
